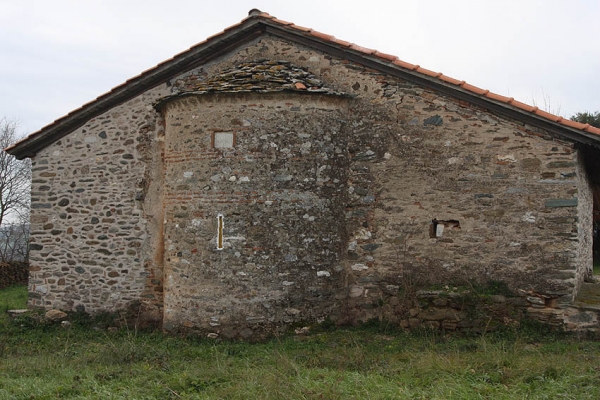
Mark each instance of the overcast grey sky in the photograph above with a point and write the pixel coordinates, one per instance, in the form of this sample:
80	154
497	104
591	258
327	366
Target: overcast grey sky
57	55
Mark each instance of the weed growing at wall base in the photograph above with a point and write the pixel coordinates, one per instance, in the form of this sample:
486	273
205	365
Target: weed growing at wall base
376	362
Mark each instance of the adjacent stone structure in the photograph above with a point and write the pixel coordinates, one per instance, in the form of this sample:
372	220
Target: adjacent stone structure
13	274
274	176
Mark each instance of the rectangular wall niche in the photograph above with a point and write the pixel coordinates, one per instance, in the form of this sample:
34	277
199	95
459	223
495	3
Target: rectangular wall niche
223	140
436	227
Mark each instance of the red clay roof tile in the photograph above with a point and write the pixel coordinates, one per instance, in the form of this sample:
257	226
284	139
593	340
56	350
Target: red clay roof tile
497	97
320	35
593	129
474	89
572	124
549	116
300	28
341	42
362	49
523	106
404	64
428	72
448	79
281	22
386	56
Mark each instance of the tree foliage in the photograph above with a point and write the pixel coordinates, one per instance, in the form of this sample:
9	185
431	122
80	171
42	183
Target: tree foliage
587	117
15	177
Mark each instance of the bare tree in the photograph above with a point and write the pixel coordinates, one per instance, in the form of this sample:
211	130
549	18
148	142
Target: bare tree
14	241
15	177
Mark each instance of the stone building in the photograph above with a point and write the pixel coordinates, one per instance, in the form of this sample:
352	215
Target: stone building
273	175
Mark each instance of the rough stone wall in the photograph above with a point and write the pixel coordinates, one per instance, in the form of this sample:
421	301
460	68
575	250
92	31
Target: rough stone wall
280	192
332	207
91	248
585	225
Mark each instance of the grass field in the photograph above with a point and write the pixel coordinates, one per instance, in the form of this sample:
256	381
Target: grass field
41	361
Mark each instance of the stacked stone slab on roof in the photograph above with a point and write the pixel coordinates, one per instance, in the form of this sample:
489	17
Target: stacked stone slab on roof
259	76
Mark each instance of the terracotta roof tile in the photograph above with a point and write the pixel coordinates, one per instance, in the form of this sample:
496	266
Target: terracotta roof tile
362	49
547	115
322	35
386	56
341	42
300	28
281	22
497	97
474	89
593	129
232	27
448	79
428	72
572	124
404	64
523	106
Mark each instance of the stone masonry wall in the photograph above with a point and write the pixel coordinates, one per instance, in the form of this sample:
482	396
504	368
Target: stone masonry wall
506	192
280	193
91	248
333	207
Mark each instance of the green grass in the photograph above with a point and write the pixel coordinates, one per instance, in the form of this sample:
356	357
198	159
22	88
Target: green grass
12	298
44	361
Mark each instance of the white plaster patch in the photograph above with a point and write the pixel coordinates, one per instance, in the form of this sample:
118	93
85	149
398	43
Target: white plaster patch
323	273
235	238
507	158
387	156
453	160
314	59
196	222
232	178
223	140
286	283
244	179
528	217
188	174
359	267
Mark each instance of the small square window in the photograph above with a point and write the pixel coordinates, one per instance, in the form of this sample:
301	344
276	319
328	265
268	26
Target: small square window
223	140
